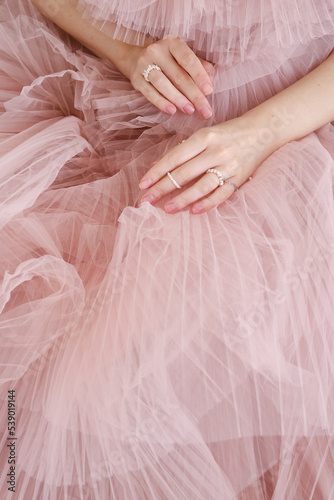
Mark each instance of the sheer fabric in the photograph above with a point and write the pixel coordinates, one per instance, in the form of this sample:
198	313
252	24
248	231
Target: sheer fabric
159	356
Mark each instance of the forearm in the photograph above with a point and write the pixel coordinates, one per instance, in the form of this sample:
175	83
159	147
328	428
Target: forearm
300	109
65	14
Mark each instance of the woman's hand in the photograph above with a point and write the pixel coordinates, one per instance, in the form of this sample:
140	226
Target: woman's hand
234	149
184	79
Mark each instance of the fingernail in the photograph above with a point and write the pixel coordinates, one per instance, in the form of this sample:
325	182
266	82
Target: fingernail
205	112
145	183
189	109
206	87
170	109
170	207
197	209
149	197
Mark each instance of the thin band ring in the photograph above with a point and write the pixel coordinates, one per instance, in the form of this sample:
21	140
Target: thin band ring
173	180
232	184
148	70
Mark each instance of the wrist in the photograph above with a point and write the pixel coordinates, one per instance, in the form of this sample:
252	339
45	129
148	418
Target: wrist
274	125
119	54
299	109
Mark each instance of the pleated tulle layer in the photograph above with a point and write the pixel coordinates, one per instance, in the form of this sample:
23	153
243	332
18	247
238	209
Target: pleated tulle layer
158	356
226	31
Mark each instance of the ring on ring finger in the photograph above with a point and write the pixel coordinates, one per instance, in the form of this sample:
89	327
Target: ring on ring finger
221	178
147	71
232	184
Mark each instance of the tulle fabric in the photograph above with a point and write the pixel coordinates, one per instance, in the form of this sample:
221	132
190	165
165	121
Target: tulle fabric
249	39
161	356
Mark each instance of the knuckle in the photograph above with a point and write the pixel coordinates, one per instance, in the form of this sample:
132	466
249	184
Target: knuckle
180	79
160	103
152	49
206	135
172	157
184	175
206	186
163	43
208	66
188	59
209	203
176	42
199	101
200	76
157	78
209	134
141	62
183	200
158	192
153	100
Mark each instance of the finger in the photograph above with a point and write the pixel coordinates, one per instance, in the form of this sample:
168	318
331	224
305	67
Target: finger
215	199
188	172
178	75
175	157
191	63
183	82
156	98
205	185
209	68
165	87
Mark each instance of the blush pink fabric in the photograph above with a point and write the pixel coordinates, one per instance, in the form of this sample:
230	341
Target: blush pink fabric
155	356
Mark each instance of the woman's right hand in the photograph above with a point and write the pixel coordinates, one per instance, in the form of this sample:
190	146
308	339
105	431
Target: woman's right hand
184	79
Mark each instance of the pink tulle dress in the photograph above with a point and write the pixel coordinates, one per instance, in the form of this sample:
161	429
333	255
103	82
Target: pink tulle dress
156	356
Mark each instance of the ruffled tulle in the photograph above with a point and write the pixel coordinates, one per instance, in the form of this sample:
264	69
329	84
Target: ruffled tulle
225	29
161	356
246	40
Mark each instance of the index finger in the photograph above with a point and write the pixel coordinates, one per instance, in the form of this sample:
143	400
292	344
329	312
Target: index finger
188	60
174	158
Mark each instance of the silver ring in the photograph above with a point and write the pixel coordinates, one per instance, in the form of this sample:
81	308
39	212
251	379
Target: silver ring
222	179
148	70
173	180
232	184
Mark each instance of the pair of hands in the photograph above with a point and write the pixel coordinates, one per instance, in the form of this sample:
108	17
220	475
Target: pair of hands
230	148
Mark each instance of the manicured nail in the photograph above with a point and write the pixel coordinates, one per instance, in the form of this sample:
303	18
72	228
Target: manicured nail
205	112
149	197
197	209
206	88
170	109
170	208
188	109
145	183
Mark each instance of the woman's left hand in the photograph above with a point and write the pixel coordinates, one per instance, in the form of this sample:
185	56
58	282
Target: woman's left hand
234	149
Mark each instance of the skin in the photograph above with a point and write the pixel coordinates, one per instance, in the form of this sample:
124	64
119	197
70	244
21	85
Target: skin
235	148
182	84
